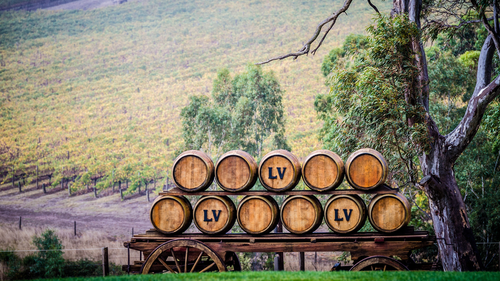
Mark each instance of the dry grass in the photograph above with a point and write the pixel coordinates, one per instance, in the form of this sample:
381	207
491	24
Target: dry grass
85	245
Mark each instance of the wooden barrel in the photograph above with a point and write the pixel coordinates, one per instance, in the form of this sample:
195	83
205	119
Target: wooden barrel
345	213
389	212
193	171
323	170
214	214
258	214
301	213
366	169
236	171
171	214
279	170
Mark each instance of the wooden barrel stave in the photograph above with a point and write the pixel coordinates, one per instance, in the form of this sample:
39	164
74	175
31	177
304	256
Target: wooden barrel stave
279	170
323	170
214	214
301	213
345	213
235	171
258	214
366	169
389	212
193	170
171	214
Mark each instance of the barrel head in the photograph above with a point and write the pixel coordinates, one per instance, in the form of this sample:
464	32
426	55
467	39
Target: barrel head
193	171
323	170
345	213
366	169
257	214
170	214
279	170
301	214
214	214
236	171
389	212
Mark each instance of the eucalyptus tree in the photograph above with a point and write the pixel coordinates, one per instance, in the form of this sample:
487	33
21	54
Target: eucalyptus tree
437	152
242	113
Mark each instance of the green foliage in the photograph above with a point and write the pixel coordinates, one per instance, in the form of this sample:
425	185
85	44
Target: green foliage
243	112
366	106
48	262
450	82
353	44
262	261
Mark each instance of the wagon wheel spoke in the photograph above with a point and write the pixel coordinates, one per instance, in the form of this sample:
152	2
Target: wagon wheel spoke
175	260
157	260
166	265
196	262
208	267
379	263
186	260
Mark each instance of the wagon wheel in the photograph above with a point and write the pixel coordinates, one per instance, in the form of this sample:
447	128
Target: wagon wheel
232	260
182	255
379	263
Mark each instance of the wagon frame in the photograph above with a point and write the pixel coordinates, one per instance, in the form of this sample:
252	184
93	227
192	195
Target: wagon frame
198	252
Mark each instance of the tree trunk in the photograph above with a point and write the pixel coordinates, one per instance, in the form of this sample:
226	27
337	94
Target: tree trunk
457	246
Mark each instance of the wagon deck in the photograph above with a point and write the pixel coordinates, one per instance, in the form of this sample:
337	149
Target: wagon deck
360	245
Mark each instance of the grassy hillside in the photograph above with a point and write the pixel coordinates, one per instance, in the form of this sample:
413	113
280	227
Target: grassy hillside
99	92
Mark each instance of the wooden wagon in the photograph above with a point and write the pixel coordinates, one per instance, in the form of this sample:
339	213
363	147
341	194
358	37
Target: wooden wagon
198	252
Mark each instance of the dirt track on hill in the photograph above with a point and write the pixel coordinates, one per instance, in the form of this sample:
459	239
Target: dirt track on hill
83	5
58	210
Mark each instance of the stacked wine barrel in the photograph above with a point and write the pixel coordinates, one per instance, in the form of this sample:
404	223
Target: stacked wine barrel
279	171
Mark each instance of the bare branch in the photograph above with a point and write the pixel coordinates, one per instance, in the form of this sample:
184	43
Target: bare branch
307	46
491	31
443	26
457	140
373	6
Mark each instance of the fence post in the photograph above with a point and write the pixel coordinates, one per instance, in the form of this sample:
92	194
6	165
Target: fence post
278	265
105	262
20	223
302	261
19	185
74	227
128	258
43	187
147	194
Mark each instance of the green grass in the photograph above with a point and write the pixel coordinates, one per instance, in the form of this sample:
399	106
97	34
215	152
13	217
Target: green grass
314	275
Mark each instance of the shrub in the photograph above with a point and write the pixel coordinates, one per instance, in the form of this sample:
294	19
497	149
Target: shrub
48	262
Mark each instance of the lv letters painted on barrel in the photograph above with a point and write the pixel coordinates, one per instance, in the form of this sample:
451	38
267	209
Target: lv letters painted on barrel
345	213
279	170
214	214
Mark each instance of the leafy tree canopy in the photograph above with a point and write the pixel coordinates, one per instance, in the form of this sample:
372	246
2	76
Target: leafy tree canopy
242	113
